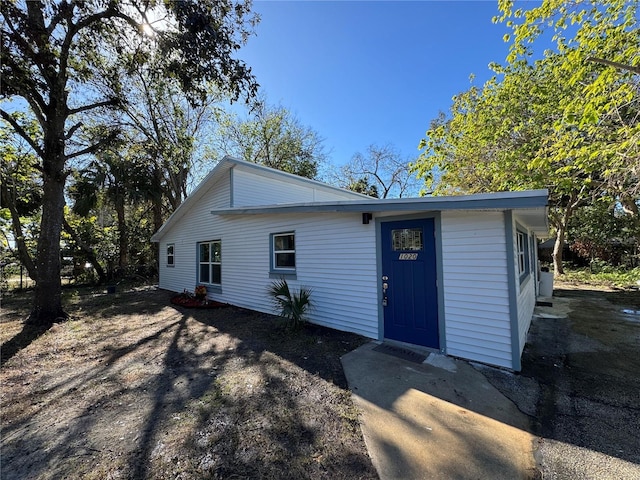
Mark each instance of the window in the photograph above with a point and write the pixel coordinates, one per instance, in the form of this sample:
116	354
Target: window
407	239
209	262
283	248
523	255
170	255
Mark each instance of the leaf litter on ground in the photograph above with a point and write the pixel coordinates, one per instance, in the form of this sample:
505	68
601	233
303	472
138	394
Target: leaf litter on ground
133	387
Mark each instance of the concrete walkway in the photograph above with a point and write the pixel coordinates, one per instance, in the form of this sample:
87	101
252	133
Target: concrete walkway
440	419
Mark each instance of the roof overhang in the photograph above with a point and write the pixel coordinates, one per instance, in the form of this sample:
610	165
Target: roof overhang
530	206
537	219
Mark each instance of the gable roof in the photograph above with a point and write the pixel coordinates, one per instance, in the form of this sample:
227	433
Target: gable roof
222	168
276	174
530	205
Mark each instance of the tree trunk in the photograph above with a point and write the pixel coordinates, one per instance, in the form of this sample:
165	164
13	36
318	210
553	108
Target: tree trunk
558	248
47	306
561	222
123	238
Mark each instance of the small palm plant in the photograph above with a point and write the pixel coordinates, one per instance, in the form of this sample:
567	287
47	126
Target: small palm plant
293	305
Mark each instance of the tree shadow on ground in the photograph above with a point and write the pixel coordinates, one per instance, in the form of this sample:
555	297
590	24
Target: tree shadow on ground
23	339
296	396
177	393
80	299
314	348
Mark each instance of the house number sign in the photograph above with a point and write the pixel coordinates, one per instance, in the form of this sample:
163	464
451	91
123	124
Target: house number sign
408	256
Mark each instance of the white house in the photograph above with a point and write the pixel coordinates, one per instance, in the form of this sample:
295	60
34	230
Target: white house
457	274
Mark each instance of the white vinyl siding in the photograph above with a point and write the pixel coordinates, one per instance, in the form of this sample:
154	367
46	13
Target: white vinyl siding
475	287
251	189
526	306
186	233
526	288
335	257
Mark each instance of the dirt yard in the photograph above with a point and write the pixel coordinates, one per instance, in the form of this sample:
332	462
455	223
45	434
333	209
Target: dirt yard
132	387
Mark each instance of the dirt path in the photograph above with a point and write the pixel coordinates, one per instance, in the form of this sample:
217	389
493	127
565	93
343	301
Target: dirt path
134	388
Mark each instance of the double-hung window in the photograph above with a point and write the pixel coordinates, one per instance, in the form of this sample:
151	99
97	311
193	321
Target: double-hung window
523	254
283	252
170	255
209	262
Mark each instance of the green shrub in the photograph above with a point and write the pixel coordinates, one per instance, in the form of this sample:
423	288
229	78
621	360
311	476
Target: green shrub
604	275
292	305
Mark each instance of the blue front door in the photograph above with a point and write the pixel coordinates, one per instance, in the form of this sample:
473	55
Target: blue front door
409	282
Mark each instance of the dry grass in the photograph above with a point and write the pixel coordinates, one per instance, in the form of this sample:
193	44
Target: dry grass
133	388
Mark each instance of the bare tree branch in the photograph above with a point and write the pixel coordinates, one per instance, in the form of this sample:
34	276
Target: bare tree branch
93	148
72	130
107	103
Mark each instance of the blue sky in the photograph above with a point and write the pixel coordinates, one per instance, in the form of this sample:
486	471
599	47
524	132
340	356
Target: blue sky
371	71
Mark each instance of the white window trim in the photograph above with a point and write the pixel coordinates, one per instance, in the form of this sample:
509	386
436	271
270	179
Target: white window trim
282	270
210	262
522	254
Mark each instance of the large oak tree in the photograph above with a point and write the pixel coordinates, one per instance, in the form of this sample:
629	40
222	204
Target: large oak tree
62	63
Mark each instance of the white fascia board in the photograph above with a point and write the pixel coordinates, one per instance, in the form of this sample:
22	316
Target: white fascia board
208	181
536	219
529	199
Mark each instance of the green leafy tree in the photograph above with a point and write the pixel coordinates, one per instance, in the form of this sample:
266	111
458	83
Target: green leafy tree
114	179
80	237
61	62
598	42
272	136
362	185
141	227
20	197
505	136
545	123
603	232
